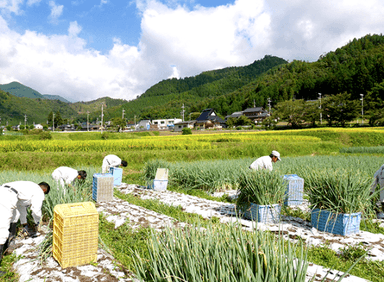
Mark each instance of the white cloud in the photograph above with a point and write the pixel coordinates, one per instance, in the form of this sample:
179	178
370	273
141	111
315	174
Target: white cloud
180	42
11	6
33	2
56	11
74	29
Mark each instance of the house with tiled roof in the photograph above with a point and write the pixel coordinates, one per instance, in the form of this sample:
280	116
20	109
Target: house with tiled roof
209	119
257	114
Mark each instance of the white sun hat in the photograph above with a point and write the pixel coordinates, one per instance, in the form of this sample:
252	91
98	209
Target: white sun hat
276	154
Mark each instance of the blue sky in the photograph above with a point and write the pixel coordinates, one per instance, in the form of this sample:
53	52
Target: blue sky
83	50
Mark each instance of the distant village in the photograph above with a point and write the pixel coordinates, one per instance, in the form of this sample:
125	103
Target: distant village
208	119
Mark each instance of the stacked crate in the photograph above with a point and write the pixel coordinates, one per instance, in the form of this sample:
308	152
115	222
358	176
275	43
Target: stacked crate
102	188
117	175
295	190
75	234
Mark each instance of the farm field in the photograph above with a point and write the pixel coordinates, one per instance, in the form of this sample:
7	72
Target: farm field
199	165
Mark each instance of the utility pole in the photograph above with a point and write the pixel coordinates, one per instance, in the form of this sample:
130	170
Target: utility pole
269	106
135	122
102	115
123	114
53	121
321	118
25	121
182	112
87	120
254	103
362	109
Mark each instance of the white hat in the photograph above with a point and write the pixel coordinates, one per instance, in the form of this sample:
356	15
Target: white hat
276	154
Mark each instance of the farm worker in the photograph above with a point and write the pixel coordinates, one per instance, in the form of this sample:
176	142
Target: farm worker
15	197
379	180
112	161
265	162
67	175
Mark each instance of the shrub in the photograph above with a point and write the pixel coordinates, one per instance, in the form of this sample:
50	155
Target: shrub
44	135
104	135
186	131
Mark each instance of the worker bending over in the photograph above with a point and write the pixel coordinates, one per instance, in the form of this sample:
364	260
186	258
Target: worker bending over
379	181
15	197
67	175
265	162
112	161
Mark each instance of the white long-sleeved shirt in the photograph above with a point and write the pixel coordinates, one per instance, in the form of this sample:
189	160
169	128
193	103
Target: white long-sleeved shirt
379	179
65	175
262	163
110	161
29	194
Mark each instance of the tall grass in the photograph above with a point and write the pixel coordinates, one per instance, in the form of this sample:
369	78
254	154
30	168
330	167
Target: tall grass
340	191
363	150
261	187
213	175
221	253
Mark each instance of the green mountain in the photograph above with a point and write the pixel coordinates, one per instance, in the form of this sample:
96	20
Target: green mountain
20	90
356	68
165	99
13	109
55	97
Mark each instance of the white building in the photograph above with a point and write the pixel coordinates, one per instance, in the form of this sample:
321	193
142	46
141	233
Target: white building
38	126
184	124
165	123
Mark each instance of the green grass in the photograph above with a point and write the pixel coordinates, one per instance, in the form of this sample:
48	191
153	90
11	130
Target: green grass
6	266
367	269
124	241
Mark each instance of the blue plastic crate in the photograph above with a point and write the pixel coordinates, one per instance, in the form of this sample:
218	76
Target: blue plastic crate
341	224
263	213
102	187
295	190
117	175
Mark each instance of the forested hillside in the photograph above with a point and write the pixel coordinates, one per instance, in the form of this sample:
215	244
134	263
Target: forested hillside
164	100
357	68
13	109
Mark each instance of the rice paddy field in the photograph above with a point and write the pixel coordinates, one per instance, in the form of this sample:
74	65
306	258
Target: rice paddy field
201	164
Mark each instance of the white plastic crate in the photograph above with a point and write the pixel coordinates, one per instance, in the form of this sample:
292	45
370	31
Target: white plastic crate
102	189
295	190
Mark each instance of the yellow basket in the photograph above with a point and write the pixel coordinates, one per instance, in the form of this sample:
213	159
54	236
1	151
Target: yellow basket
74	261
75	233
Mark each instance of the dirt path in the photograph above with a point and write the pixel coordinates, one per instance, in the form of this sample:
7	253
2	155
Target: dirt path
119	211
